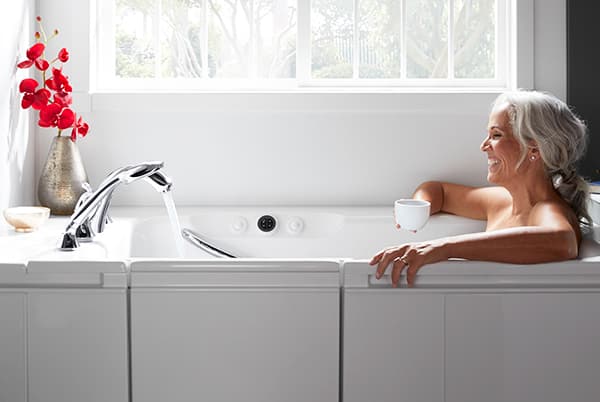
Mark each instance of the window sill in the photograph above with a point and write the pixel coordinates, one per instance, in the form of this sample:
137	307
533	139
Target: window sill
361	100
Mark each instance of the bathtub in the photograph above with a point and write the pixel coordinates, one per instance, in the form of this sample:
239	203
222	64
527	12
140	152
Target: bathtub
468	331
299	315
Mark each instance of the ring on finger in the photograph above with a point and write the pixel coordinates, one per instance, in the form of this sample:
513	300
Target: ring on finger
403	259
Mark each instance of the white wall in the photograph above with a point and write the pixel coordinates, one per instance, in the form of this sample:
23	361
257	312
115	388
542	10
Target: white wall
16	145
277	149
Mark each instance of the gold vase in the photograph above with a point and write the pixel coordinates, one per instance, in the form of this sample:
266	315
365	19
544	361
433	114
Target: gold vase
62	178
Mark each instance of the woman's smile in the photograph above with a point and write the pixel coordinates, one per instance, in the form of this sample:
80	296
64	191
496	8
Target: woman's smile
493	164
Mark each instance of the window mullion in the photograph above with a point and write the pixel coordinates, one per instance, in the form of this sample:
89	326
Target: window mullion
502	54
355	41
450	39
156	38
303	42
500	15
252	67
403	41
204	47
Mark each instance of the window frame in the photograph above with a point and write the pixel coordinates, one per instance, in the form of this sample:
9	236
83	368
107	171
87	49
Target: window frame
507	10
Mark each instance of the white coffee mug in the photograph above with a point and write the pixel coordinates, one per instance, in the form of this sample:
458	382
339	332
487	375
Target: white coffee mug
411	214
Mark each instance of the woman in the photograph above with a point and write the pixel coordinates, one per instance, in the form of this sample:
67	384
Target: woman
535	210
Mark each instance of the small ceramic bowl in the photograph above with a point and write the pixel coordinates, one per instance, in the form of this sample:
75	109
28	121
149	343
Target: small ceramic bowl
26	219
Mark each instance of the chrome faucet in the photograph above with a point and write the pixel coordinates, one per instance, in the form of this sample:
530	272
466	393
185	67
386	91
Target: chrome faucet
91	212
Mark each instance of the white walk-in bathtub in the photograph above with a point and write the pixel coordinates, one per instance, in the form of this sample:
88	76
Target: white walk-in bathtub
299	315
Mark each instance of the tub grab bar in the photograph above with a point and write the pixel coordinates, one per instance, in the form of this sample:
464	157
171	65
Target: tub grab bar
195	239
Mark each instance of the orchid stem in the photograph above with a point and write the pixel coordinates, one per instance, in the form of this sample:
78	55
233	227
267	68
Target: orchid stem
45	38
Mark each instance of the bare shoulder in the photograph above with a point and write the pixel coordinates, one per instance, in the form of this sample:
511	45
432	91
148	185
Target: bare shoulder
474	202
552	213
555	214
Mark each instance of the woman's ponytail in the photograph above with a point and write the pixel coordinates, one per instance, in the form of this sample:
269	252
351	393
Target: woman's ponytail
575	191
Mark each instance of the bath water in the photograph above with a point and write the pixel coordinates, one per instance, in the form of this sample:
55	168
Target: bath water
175	226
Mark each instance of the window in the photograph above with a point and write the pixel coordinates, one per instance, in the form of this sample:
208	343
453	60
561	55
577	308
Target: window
286	44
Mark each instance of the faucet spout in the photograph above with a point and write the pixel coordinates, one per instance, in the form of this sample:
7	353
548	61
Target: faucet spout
91	214
160	182
131	173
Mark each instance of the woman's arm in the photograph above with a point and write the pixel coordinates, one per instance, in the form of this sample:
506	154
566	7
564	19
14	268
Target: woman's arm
519	245
470	202
548	237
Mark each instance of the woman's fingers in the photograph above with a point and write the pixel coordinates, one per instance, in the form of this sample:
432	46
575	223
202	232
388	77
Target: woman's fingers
411	274
386	258
382	265
376	257
399	264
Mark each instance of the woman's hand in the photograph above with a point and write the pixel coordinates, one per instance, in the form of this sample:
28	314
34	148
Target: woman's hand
411	256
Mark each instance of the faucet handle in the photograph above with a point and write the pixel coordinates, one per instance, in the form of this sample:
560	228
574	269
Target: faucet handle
69	242
87	193
84	231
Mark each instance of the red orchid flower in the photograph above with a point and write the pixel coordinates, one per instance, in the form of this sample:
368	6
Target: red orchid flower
66	118
48	115
38	99
64	99
63	55
34	54
81	128
58	82
55	115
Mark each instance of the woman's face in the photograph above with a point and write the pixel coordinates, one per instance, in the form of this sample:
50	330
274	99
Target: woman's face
503	150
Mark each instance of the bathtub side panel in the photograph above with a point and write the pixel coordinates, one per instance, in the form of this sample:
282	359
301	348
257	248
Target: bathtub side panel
523	347
393	346
252	344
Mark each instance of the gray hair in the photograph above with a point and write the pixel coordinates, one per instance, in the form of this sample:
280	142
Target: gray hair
561	139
